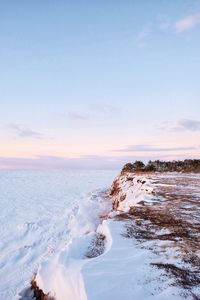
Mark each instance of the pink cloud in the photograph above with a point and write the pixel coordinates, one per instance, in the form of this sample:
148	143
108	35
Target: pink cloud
187	23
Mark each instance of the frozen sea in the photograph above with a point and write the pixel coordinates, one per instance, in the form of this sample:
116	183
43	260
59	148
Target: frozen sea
39	213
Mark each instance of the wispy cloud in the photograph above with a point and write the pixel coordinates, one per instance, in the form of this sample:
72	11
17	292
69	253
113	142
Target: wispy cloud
187	124
152	148
143	35
22	131
105	108
181	125
75	115
187	23
164	23
96	108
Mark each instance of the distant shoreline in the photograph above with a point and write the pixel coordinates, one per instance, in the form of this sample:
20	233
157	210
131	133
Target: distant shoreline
184	166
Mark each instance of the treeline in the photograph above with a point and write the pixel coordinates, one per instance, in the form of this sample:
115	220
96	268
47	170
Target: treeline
187	165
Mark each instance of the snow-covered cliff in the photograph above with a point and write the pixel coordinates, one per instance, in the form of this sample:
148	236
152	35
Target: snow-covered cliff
130	189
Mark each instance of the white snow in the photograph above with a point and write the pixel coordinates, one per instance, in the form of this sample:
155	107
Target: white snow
41	213
122	272
59	229
61	277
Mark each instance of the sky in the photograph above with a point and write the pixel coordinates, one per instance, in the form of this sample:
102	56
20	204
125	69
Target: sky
95	84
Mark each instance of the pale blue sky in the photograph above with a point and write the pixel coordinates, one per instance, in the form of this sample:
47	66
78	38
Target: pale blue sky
87	79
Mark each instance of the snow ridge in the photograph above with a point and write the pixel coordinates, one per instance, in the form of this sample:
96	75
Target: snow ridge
60	277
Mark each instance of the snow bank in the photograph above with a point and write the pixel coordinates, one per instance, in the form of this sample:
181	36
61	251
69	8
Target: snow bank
61	277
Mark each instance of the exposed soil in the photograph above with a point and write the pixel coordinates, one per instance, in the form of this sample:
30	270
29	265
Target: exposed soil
184	277
34	292
38	293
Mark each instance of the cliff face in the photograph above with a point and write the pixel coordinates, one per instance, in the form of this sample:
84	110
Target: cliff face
134	184
130	189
